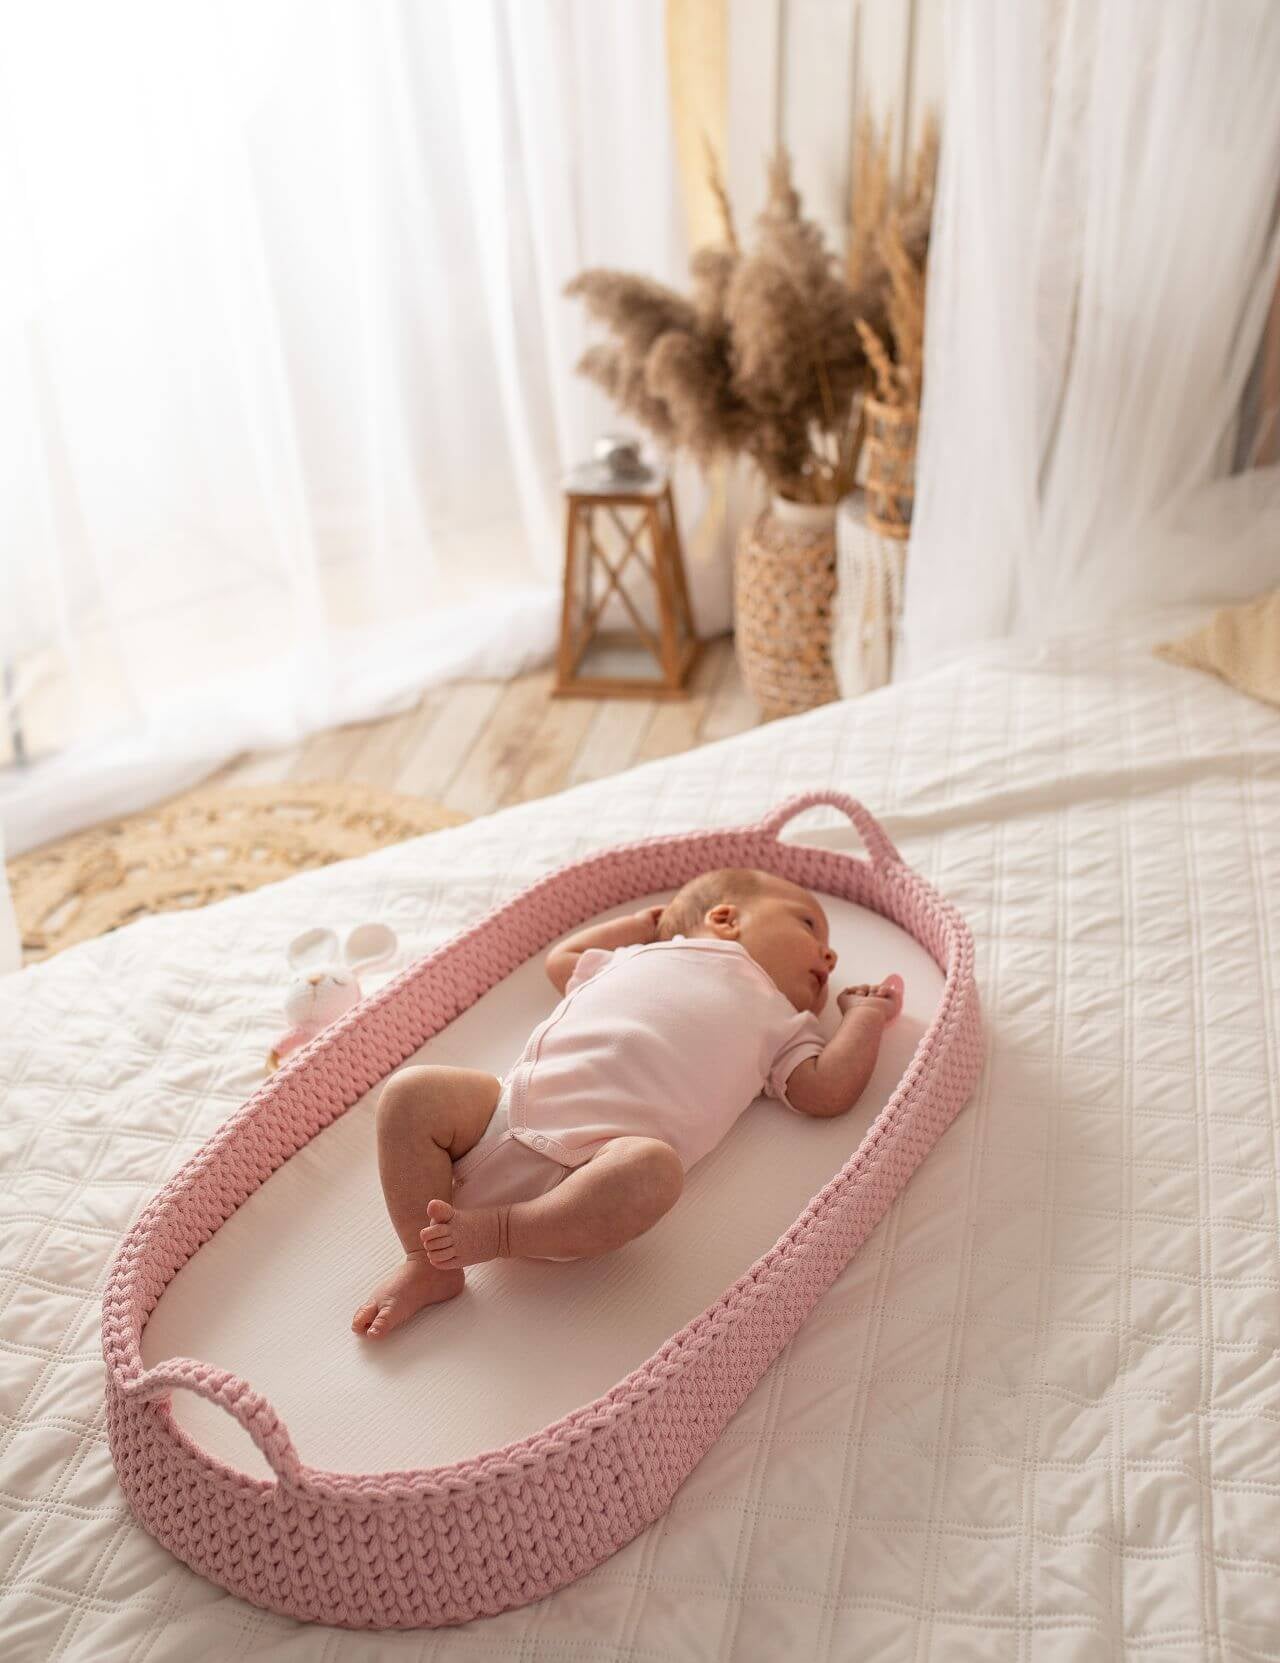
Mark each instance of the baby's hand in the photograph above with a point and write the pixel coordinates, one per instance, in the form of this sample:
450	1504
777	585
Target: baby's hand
887	997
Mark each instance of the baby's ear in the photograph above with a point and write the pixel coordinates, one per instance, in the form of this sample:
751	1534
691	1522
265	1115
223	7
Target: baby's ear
722	920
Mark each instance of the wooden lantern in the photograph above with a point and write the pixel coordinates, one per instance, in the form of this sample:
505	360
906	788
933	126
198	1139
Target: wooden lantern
621	540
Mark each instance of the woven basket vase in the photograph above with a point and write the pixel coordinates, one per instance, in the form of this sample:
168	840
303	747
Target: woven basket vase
784	586
891	466
435	1546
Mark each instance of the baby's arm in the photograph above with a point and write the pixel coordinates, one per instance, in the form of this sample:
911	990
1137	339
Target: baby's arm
636	930
832	1083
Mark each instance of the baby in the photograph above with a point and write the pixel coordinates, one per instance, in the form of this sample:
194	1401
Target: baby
670	1023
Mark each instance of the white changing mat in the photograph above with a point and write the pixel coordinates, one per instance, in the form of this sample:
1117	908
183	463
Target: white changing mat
527	1342
1035	1417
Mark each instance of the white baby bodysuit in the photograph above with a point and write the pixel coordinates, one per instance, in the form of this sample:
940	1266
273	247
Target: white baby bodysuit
671	1040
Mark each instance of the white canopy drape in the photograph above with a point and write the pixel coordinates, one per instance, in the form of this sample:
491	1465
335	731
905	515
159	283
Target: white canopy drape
1105	252
286	376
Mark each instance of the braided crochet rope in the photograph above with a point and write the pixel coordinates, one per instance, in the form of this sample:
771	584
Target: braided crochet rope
440	1545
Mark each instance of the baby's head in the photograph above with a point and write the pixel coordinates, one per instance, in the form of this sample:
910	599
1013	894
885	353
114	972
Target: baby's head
780	925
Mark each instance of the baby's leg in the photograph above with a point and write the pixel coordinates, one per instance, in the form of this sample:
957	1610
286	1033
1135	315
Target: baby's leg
426	1119
617	1195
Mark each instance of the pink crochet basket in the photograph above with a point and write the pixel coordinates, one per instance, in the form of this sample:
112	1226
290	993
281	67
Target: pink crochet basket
444	1544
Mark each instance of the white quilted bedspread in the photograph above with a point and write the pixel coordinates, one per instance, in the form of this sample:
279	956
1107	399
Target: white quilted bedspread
1035	1418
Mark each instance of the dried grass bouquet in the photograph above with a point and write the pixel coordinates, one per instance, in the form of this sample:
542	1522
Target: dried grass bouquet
767	355
879	222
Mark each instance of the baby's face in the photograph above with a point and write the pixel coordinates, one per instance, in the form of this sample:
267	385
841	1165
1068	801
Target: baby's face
785	931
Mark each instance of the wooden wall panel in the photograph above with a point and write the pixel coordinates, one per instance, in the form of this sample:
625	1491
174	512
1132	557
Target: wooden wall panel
884	67
803	71
817	80
928	65
755	41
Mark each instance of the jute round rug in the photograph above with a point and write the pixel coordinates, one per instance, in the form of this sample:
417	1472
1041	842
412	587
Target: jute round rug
202	847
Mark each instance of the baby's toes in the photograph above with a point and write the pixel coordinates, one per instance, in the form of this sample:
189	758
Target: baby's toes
382	1321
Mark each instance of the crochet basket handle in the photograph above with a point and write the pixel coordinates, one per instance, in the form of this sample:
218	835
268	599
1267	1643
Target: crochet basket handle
877	841
240	1401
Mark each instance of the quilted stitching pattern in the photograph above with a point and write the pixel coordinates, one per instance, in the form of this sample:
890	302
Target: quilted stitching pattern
1034	1417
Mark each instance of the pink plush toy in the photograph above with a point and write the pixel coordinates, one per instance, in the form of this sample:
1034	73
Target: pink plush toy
325	986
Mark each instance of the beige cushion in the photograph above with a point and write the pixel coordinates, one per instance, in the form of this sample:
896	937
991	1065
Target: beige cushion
1241	644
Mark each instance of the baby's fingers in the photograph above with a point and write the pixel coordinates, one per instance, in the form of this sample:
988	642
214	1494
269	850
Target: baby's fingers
891	989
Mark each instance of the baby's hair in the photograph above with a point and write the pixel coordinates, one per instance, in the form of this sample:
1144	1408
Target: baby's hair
689	906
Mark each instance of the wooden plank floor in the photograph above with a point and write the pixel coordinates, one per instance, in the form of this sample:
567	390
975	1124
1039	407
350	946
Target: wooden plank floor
476	746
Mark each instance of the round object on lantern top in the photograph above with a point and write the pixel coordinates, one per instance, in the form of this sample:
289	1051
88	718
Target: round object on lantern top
621	454
616	468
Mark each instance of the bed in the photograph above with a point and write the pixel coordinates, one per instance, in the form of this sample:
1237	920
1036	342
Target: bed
1034	1416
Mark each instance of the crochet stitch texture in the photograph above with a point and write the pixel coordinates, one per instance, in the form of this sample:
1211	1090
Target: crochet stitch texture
437	1546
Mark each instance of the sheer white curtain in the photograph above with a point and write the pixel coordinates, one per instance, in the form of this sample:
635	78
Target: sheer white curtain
1104	256
286	376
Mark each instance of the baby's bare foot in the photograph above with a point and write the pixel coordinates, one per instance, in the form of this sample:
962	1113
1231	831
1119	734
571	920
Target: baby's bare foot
886	997
460	1236
410	1286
